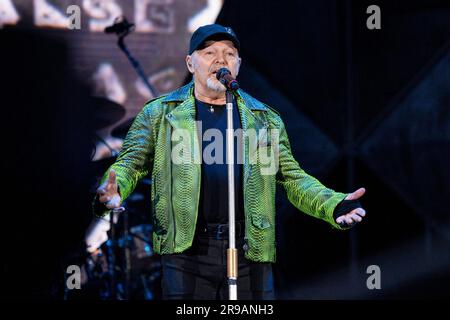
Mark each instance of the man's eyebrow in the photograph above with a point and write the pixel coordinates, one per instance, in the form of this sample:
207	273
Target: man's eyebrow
207	48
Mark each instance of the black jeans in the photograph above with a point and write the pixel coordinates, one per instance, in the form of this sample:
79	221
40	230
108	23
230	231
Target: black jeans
201	272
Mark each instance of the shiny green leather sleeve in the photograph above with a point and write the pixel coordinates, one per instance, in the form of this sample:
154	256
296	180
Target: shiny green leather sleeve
136	157
305	192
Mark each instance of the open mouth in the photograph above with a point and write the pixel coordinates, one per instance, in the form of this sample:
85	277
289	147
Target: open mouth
214	74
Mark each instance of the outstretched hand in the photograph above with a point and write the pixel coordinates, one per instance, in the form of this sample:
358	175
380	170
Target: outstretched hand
108	192
356	215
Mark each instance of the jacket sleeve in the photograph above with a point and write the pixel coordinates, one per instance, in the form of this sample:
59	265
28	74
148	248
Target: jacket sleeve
305	192
136	157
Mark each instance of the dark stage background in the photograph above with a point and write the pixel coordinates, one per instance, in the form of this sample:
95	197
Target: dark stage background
363	108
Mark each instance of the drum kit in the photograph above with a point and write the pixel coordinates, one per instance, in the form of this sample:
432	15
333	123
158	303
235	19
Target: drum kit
120	263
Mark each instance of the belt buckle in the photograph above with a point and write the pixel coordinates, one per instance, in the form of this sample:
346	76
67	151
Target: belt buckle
220	231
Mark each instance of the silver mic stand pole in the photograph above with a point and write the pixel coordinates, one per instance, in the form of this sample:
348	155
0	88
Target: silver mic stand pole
232	263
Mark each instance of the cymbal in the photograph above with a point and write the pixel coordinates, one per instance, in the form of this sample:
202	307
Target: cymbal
121	130
106	112
106	147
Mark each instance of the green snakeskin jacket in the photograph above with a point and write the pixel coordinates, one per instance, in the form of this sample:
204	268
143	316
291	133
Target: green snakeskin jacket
176	187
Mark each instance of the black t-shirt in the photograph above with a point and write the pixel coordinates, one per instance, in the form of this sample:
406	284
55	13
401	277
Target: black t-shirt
213	207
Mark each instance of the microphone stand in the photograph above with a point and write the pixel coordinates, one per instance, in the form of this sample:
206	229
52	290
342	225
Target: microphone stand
232	263
112	258
122	33
112	245
135	63
127	255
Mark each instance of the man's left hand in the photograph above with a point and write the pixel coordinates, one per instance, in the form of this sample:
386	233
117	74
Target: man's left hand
356	215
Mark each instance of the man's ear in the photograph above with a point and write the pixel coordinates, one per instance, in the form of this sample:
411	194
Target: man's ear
189	64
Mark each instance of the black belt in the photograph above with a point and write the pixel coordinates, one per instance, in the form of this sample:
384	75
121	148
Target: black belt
220	231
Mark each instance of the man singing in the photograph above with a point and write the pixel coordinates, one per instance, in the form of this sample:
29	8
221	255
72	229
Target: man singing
190	197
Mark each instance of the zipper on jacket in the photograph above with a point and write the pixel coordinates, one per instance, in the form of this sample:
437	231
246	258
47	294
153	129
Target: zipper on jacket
246	246
174	229
171	202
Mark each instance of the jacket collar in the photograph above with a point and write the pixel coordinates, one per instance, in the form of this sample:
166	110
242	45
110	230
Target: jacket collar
180	94
183	117
187	92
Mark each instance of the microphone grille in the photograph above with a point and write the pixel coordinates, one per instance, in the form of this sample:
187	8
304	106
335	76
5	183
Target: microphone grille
221	72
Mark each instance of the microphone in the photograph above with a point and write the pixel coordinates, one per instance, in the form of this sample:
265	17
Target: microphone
120	26
225	77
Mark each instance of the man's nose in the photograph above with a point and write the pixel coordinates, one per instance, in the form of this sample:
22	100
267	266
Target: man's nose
220	59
